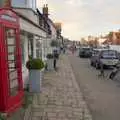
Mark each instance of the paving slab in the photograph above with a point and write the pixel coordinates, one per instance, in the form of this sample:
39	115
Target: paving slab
60	98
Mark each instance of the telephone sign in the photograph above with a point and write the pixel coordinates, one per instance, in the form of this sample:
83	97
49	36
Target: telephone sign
9	18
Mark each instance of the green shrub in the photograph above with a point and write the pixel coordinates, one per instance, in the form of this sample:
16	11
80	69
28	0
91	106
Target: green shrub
54	43
35	64
2	117
49	56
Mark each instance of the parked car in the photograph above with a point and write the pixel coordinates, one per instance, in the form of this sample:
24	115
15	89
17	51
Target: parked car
104	56
115	72
85	52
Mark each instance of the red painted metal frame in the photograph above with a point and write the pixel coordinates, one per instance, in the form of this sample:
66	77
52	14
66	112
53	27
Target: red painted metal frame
9	103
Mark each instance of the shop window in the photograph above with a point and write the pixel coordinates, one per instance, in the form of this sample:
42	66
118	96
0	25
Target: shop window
38	49
24	3
30	48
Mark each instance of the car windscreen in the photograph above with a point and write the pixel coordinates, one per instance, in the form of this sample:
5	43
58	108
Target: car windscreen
109	54
86	49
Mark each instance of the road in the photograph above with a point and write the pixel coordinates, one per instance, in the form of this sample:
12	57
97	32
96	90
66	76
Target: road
101	95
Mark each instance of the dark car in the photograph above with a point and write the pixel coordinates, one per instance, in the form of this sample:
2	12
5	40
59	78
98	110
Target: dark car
85	52
105	57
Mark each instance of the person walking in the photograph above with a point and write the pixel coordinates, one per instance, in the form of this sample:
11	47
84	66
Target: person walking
55	57
102	74
64	50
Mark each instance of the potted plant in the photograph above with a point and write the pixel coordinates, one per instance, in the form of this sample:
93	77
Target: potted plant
3	116
36	70
50	62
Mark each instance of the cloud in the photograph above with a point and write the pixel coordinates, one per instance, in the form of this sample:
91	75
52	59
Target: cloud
83	17
74	2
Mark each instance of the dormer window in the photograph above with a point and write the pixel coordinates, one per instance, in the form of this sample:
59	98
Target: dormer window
24	4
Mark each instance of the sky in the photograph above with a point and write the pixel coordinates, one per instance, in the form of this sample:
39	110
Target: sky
81	18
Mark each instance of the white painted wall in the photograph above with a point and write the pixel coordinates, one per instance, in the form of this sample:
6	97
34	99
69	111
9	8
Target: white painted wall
29	13
30	28
26	26
53	36
38	33
24	69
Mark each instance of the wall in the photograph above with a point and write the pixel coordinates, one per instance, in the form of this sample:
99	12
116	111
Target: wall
36	33
51	37
29	13
25	72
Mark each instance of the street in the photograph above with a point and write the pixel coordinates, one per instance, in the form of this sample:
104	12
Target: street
101	95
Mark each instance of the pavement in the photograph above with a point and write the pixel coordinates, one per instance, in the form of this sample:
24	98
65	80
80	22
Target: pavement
60	97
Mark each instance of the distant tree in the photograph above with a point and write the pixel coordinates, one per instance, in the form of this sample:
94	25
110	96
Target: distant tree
54	43
83	41
110	36
93	42
96	42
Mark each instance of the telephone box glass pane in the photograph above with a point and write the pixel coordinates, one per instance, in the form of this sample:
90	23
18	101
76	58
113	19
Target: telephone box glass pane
11	57
11	51
12	65
13	75
11	36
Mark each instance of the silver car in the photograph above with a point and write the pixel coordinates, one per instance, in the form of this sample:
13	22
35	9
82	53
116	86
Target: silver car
105	57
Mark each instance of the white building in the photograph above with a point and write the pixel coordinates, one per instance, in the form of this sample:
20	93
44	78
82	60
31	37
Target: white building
53	32
35	32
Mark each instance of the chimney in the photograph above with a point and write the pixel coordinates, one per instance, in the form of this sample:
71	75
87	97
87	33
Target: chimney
45	10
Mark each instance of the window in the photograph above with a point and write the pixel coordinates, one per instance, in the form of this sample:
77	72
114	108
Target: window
38	49
109	54
30	47
19	3
24	3
32	4
11	58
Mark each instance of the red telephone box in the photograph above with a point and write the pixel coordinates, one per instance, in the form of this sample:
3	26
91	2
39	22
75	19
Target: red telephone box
11	86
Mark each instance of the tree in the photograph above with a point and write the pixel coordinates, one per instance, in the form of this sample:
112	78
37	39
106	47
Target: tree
54	43
83	41
93	42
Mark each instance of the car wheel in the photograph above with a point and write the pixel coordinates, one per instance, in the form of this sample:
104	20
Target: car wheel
91	64
97	66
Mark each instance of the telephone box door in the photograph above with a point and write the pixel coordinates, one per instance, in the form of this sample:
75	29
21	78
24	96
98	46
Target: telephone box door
14	73
11	78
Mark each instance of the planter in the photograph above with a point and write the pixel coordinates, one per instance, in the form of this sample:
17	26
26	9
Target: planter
50	65
35	80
